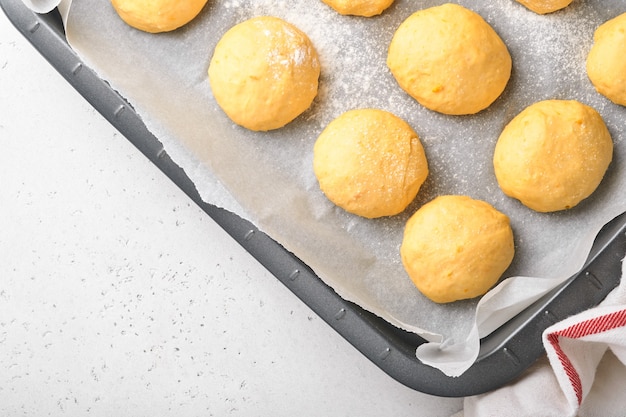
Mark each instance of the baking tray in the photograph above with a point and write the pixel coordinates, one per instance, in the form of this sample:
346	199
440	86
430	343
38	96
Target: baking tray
504	354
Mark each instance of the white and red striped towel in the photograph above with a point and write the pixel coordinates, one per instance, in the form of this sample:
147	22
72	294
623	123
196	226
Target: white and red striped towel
583	373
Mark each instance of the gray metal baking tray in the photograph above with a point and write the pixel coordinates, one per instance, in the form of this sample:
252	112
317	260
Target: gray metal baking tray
504	354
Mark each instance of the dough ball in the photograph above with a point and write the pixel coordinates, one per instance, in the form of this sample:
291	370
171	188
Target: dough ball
456	248
157	15
553	155
369	162
545	6
606	62
365	8
264	73
449	59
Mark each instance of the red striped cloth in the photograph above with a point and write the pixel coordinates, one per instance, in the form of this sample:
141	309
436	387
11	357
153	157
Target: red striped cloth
576	345
577	377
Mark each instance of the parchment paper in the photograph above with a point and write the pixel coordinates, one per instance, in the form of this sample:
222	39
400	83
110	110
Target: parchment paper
268	178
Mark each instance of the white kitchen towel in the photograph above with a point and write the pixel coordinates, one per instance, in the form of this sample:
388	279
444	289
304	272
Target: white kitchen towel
582	374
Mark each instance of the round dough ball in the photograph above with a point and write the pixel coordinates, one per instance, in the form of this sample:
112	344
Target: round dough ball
455	248
370	163
156	16
449	59
365	8
606	62
545	6
264	73
553	155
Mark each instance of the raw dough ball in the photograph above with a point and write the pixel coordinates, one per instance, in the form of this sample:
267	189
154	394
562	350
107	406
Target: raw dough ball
606	62
545	6
157	15
553	155
264	73
449	59
366	8
456	248
369	162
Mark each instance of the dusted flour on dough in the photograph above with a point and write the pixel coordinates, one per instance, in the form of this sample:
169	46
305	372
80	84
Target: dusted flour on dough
606	62
157	15
370	162
545	6
450	60
264	73
553	155
365	8
456	248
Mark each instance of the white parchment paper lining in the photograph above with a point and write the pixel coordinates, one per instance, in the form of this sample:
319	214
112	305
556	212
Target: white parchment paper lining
267	177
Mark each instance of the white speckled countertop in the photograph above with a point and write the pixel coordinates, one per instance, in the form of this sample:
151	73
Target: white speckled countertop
118	296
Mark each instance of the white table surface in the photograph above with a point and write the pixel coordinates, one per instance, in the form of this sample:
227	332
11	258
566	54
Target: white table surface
118	296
